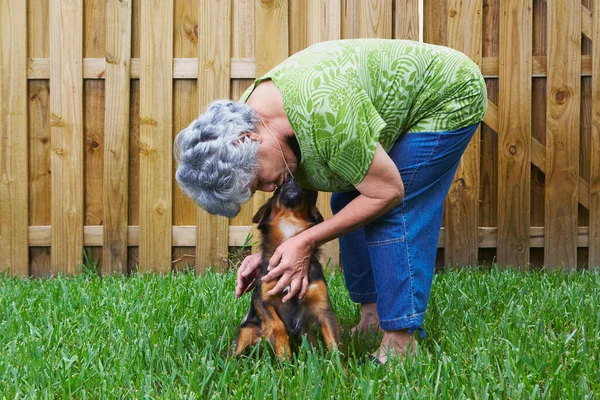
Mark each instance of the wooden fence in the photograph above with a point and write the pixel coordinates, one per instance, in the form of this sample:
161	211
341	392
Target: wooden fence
93	93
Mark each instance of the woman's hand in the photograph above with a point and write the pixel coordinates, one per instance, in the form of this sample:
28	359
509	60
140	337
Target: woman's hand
247	273
290	264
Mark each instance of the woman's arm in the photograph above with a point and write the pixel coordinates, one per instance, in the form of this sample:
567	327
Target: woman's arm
380	190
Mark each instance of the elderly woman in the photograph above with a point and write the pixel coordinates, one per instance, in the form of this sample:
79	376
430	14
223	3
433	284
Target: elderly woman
382	124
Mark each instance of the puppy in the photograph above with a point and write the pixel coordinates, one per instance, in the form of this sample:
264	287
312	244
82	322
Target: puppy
287	213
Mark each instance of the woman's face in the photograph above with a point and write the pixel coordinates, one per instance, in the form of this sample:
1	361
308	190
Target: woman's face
270	172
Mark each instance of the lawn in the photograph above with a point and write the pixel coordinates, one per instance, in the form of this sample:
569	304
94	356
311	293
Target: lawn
496	334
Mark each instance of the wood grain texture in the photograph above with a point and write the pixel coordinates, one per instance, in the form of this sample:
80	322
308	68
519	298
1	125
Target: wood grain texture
38	38
435	21
116	147
272	41
488	194
156	130
214	71
594	243
299	11
66	121
406	19
462	203
14	251
349	19
324	23
562	133
242	48
514	150
185	110
375	19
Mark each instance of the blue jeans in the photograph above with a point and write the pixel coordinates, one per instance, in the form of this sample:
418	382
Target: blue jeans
391	260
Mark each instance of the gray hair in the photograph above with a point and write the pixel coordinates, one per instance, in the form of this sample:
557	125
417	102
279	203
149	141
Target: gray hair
216	164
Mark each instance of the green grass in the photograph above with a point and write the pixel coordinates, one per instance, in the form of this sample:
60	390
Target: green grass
490	335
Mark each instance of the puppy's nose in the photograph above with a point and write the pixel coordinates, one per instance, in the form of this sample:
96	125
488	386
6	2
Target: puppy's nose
291	194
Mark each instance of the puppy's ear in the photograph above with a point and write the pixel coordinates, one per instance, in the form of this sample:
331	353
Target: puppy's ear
311	197
262	212
314	215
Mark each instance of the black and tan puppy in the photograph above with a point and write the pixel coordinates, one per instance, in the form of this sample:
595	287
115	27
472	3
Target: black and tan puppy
289	212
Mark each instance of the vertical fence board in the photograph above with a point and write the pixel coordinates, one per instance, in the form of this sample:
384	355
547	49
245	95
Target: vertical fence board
116	148
562	133
133	207
214	72
349	19
94	46
272	47
134	137
66	126
185	110
594	244
375	18
156	127
514	149
435	21
324	23
242	47
38	38
14	246
299	11
488	194
406	20
538	126
462	203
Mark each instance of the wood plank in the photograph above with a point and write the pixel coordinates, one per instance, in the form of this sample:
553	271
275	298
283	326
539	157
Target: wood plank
594	206
133	208
185	110
562	146
406	19
14	252
38	37
242	47
488	196
66	121
299	11
94	46
435	21
514	150
375	19
156	127
349	19
40	236
272	41
116	149
214	71
462	203
245	67
324	23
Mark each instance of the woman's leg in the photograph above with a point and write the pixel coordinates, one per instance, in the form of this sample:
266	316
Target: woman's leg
403	243
357	267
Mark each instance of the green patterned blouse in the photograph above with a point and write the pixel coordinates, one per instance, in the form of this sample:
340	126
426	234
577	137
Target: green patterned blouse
342	97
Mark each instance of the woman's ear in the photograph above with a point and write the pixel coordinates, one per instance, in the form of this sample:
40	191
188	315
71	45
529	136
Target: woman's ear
252	136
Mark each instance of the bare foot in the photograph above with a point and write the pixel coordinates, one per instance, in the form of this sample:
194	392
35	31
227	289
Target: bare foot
369	320
395	344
